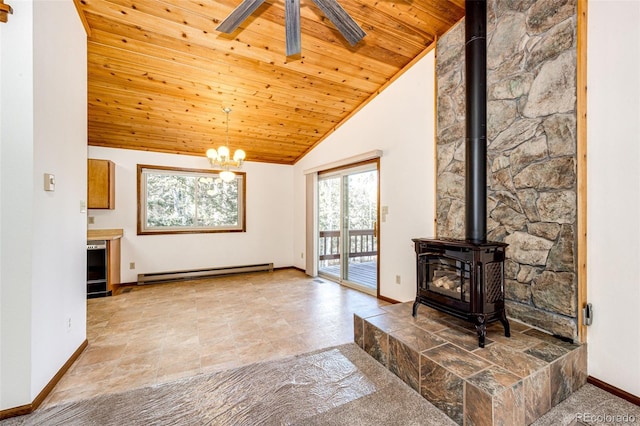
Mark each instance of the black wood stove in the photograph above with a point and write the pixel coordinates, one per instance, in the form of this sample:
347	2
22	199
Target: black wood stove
465	278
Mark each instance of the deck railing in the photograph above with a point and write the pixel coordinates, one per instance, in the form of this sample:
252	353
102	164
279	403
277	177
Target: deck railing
362	244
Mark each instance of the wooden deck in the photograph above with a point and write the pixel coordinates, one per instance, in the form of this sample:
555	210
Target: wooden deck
364	273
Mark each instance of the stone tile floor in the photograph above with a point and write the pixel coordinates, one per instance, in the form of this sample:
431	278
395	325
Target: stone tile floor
512	381
157	333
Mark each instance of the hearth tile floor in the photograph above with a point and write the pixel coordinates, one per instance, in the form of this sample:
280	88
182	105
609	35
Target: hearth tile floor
511	381
157	333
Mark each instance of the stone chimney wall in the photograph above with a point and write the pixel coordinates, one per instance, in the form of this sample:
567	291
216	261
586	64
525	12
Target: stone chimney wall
531	168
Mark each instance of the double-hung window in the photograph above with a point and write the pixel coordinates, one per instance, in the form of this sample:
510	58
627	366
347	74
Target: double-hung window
175	200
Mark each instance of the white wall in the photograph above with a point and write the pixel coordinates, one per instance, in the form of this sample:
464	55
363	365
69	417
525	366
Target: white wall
59	223
269	210
613	214
400	122
16	182
42	275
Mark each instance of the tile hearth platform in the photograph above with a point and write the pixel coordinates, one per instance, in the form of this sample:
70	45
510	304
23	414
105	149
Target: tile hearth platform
512	381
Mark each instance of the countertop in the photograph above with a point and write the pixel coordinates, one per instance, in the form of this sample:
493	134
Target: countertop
104	234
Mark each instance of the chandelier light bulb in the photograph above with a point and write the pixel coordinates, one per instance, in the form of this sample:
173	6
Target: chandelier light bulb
227	175
223	153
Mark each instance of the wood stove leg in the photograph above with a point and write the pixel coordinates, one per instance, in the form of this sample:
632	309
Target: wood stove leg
415	306
481	328
505	324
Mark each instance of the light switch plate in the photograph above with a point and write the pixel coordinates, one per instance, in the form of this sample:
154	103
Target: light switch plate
49	182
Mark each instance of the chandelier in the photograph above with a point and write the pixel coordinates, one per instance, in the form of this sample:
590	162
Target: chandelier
222	159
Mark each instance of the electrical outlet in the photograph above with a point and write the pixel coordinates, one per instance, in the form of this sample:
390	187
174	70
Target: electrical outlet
68	324
301	255
398	279
132	265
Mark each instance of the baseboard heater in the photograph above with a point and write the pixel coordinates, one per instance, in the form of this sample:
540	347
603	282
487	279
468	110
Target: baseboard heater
157	277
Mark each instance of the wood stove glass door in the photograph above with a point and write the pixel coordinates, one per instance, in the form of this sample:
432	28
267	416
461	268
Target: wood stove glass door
347	219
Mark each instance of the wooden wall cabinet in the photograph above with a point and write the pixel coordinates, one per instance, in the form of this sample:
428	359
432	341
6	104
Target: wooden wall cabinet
101	186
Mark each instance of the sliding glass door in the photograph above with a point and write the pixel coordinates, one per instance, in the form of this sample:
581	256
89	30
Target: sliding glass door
347	226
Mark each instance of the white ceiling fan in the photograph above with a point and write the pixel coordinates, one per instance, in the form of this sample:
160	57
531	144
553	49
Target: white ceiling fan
349	29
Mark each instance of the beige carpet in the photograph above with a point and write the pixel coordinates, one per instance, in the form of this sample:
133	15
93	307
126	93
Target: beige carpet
335	386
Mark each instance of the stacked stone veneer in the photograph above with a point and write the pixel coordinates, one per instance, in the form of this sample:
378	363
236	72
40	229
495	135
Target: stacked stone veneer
531	138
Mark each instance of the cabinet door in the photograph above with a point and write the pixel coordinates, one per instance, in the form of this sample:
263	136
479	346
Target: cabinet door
113	263
101	184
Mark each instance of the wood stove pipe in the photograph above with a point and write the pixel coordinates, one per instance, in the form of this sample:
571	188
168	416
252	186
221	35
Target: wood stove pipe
476	120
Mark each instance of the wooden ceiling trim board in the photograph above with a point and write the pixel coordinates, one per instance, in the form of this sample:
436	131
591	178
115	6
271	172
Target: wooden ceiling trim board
83	18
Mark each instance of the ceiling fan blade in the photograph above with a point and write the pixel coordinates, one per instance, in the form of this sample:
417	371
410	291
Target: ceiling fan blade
239	14
349	29
292	26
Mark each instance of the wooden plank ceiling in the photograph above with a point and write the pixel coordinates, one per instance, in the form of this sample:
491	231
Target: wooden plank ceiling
159	74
